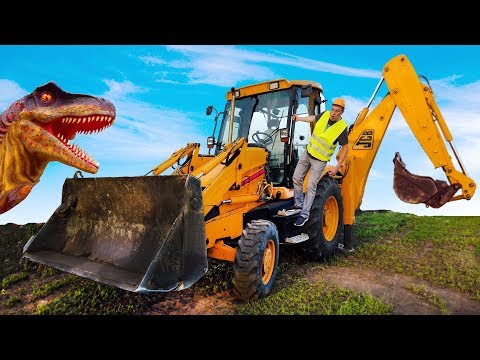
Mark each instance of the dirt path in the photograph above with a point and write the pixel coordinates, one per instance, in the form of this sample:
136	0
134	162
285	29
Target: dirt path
397	289
407	294
188	303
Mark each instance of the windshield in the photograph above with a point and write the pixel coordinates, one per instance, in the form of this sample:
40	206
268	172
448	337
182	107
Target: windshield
259	118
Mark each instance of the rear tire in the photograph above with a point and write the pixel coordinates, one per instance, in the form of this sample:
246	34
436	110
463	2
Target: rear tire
256	260
325	224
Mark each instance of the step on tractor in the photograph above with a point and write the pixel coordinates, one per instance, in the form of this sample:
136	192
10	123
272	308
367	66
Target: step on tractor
155	232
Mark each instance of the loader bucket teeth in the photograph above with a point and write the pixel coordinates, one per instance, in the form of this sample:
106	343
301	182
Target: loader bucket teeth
415	189
141	234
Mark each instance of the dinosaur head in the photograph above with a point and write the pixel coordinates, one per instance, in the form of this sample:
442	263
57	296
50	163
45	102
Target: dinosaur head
47	119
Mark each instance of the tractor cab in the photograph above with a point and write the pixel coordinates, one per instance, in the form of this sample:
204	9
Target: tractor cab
262	114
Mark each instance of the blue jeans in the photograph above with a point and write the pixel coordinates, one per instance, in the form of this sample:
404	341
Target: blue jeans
316	167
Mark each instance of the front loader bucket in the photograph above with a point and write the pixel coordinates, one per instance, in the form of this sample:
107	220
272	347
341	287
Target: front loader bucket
140	234
415	189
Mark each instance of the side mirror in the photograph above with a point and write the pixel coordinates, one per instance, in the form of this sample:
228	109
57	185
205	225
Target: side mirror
209	109
318	100
306	90
210	142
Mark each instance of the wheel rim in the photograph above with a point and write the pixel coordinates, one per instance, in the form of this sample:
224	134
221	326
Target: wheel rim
330	218
268	262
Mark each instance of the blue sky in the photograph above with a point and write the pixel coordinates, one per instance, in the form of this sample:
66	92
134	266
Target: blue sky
161	92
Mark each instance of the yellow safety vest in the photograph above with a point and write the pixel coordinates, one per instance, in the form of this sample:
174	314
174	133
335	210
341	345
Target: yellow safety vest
321	141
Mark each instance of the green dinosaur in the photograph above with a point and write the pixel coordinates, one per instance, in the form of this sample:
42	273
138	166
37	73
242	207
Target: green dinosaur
37	129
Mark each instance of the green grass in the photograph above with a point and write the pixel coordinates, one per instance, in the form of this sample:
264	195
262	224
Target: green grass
370	226
431	296
218	278
46	271
441	250
51	287
320	298
91	298
13	279
12	301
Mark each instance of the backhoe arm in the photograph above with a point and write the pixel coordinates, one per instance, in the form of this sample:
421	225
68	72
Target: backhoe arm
417	104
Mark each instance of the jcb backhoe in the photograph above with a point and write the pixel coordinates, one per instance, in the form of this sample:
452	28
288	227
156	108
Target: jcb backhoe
155	232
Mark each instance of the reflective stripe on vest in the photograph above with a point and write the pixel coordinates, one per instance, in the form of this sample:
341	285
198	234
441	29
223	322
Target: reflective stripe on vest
321	142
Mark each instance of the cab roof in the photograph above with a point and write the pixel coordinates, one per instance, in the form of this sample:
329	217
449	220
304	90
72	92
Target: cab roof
270	85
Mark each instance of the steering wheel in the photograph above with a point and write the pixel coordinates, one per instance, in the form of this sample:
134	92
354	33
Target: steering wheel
267	140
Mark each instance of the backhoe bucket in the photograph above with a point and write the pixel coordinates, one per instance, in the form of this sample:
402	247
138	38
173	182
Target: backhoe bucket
141	234
415	189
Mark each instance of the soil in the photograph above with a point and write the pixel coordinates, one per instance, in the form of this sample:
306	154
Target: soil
189	303
392	288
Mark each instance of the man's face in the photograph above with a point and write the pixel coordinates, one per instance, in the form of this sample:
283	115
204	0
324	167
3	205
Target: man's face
336	112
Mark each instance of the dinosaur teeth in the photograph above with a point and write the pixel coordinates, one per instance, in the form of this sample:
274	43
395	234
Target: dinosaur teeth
76	126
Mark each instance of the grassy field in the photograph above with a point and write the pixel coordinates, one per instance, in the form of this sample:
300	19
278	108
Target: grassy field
441	251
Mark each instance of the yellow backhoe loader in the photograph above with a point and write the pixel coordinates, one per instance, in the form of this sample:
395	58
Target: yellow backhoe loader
155	232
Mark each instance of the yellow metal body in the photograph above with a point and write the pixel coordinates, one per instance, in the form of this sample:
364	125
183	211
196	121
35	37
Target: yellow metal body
233	181
223	180
416	102
265	86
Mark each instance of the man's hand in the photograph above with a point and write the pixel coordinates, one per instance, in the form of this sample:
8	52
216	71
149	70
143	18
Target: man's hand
309	118
333	171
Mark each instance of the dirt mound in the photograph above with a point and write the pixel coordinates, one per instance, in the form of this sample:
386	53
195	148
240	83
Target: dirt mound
12	239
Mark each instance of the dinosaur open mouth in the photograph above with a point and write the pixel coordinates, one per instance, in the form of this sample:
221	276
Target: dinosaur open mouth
65	129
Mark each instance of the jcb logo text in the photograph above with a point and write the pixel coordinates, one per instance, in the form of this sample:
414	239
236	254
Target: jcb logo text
364	141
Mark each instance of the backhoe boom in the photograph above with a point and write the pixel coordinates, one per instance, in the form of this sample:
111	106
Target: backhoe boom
417	104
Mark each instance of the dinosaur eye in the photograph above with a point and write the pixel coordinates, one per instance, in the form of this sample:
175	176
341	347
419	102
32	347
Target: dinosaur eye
46	97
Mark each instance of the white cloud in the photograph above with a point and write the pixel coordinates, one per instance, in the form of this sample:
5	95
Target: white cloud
322	66
10	91
152	60
376	174
118	90
227	65
141	130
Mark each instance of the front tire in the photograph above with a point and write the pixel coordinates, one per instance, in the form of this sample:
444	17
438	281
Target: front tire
325	224
256	260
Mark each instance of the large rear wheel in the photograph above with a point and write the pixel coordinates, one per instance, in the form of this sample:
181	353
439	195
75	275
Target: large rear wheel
325	224
256	260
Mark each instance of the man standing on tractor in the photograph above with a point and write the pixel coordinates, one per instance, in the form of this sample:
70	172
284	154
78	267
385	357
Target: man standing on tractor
330	130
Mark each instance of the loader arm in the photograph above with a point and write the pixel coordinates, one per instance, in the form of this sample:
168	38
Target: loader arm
188	151
230	183
417	104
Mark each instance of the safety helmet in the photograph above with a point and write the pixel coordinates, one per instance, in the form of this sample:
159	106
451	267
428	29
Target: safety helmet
339	102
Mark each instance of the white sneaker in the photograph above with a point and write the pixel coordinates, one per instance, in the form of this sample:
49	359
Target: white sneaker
341	247
300	221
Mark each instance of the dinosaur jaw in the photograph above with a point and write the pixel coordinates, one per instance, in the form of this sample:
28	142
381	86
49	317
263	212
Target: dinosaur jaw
53	139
